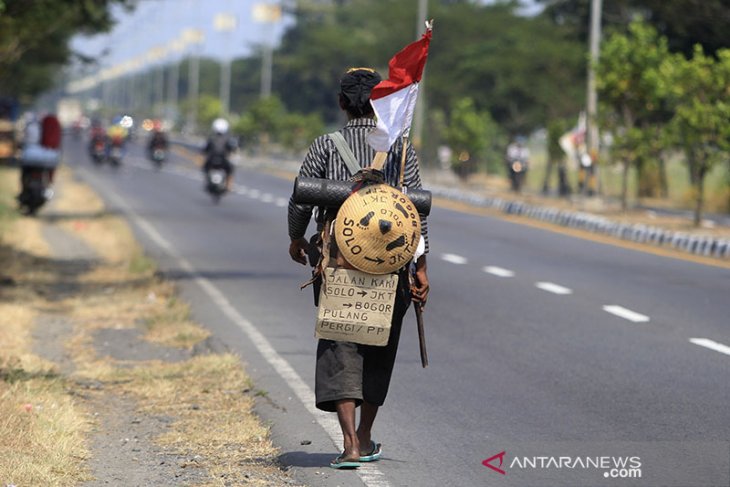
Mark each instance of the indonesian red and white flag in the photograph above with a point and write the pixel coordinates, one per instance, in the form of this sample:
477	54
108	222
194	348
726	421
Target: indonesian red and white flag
394	99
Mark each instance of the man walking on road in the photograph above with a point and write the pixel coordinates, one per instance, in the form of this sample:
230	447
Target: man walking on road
349	375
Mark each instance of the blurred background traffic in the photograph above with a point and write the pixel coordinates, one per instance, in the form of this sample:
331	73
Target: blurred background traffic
510	100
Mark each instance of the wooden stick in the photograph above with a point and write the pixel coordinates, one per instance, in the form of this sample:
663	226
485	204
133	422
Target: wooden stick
421	334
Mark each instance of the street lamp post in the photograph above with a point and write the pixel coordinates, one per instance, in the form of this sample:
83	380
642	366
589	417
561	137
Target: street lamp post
176	46
193	37
225	23
267	13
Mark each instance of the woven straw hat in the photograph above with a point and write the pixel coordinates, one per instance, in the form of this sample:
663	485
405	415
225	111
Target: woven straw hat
377	229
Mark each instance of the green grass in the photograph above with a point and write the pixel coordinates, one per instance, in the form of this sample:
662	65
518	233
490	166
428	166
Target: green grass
717	188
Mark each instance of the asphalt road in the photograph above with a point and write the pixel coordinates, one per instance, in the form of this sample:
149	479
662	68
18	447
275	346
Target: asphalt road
538	341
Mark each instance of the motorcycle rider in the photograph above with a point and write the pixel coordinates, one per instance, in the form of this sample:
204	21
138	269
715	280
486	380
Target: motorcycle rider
158	139
116	134
218	148
97	137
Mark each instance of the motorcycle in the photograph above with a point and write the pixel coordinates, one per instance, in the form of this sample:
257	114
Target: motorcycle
158	155
36	190
116	152
98	150
216	183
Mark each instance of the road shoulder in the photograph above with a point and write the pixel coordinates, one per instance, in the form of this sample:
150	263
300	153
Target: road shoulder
104	353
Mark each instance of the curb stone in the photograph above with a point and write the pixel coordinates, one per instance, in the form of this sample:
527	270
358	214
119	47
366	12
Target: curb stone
704	245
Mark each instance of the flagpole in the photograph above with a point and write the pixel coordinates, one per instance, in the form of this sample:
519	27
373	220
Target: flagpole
421	26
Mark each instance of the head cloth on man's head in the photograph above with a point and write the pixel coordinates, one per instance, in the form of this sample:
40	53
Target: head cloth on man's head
355	87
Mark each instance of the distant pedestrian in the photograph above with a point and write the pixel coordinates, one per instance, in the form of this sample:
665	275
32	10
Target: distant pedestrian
518	160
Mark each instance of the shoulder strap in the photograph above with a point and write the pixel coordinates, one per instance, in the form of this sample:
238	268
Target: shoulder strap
345	152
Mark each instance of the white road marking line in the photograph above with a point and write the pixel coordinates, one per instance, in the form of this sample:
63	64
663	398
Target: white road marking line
712	345
370	474
254	193
626	314
553	288
267	198
498	271
454	259
282	202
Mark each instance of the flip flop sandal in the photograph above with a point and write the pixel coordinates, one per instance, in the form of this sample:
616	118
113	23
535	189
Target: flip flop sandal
340	462
375	452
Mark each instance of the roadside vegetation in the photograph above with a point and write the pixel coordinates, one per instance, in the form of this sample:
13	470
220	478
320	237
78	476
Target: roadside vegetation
47	407
496	70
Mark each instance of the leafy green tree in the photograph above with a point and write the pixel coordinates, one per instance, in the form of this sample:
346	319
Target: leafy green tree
628	80
35	35
683	22
297	131
475	139
523	70
698	90
267	122
209	108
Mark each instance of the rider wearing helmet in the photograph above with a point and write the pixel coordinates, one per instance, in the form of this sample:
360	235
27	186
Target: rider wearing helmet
218	148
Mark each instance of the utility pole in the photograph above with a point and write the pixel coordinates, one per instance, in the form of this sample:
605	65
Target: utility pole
592	98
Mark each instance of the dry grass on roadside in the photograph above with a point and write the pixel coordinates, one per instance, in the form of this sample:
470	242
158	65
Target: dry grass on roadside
42	427
211	399
172	325
43	424
42	430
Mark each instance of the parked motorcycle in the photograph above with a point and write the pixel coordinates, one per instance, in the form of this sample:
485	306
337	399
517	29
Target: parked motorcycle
216	183
36	189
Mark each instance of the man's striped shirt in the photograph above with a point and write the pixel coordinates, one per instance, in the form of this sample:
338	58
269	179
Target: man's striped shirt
323	161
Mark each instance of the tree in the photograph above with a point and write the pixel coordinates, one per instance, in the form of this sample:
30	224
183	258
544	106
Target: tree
267	121
520	70
523	70
627	81
698	90
683	22
475	139
35	35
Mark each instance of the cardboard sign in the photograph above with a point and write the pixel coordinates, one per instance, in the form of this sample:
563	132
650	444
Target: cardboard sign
356	307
